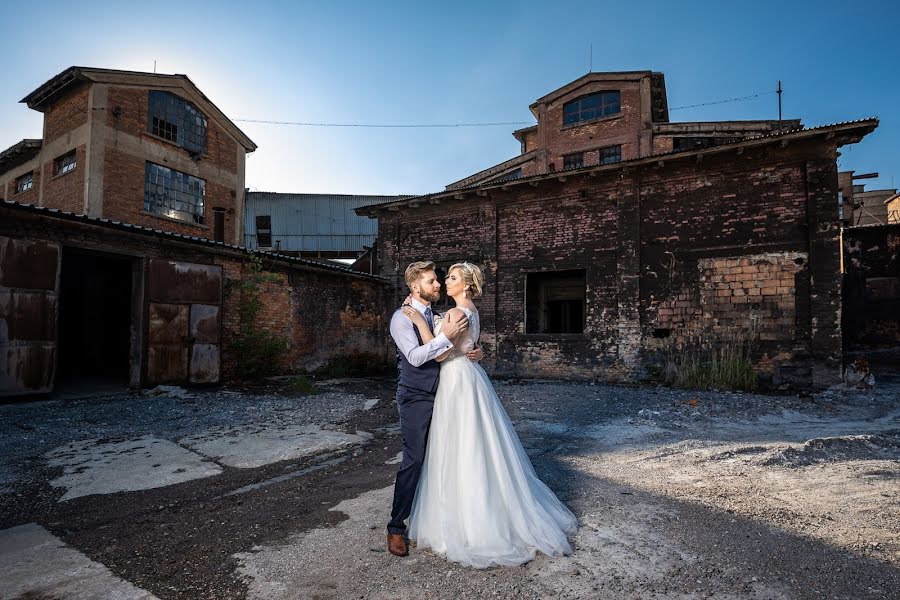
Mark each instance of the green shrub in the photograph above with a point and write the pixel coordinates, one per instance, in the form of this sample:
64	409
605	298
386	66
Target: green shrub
302	385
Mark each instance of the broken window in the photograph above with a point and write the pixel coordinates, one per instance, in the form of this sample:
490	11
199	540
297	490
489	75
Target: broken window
683	144
25	182
64	163
177	120
264	231
174	194
592	106
573	161
555	302
610	154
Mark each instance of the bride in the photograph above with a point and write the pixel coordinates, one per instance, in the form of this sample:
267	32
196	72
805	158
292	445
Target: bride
479	501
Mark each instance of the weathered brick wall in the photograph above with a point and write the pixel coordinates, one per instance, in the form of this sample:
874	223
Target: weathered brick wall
66	191
124	171
686	246
9	184
123	198
66	114
323	315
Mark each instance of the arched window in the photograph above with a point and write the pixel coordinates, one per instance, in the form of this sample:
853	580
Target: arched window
592	106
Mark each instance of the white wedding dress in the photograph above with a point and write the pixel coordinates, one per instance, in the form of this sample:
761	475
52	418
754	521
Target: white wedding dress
479	501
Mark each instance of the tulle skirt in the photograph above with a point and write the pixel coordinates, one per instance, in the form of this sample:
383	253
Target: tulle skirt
479	501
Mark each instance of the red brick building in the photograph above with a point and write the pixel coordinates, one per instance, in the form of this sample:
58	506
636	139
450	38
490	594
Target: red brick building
603	118
597	268
139	148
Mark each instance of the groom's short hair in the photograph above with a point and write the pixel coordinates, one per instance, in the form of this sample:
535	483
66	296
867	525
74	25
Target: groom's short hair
415	270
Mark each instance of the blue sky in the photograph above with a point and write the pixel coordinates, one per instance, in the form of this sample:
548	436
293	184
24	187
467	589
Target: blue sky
428	62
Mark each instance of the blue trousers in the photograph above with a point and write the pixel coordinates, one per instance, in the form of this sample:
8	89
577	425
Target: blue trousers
415	407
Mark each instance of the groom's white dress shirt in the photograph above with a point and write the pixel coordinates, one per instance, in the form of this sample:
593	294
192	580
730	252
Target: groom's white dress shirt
405	337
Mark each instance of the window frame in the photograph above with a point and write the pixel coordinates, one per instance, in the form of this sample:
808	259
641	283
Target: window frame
601	160
176	120
586	114
61	166
263	231
576	157
21	178
179	197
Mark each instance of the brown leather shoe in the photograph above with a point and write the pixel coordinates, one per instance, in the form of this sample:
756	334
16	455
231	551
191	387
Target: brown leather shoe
397	544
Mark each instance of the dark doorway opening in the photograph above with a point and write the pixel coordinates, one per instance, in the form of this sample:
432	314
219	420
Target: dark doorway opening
95	292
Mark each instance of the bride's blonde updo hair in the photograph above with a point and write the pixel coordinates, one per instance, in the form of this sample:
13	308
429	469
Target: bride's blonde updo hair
472	277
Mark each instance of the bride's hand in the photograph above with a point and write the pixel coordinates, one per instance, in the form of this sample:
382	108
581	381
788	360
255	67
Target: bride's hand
413	315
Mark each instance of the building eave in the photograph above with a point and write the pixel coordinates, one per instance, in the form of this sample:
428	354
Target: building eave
19	154
848	132
232	249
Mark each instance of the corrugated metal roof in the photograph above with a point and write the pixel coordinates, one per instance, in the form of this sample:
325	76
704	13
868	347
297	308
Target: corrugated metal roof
313	222
310	263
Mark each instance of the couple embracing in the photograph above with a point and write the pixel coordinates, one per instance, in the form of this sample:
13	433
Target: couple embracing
465	484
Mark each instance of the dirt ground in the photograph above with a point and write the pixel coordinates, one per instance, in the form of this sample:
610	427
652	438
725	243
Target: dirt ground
262	493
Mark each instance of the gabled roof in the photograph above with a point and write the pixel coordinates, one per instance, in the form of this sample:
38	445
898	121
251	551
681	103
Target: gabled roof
52	90
848	132
19	153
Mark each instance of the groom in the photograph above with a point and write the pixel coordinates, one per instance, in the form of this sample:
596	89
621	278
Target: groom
416	387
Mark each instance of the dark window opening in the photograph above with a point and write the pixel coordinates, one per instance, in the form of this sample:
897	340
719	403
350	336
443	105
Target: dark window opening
64	163
610	154
264	231
662	333
177	120
174	194
573	161
555	302
593	106
681	144
25	182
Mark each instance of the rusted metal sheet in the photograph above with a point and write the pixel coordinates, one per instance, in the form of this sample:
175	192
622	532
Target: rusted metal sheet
204	324
182	282
205	363
29	275
27	369
168	323
167	363
28	265
27	316
184	322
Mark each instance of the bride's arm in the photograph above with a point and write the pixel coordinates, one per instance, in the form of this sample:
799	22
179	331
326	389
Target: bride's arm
425	333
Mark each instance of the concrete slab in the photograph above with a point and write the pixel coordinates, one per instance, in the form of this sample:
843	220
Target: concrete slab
253	446
97	467
36	564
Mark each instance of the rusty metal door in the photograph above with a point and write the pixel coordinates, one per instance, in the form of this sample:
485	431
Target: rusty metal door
184	337
29	294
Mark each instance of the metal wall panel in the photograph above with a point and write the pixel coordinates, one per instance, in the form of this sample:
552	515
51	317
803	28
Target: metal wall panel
312	222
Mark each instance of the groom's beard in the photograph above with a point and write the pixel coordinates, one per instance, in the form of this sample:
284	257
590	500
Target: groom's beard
430	297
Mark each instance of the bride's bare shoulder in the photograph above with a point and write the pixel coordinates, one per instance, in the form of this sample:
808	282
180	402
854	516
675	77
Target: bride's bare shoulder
455	313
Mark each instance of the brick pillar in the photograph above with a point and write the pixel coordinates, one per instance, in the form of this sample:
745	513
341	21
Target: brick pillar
825	272
628	268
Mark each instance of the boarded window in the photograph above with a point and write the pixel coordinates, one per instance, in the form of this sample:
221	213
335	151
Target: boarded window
555	302
174	194
573	161
610	154
264	231
177	120
64	163
590	107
